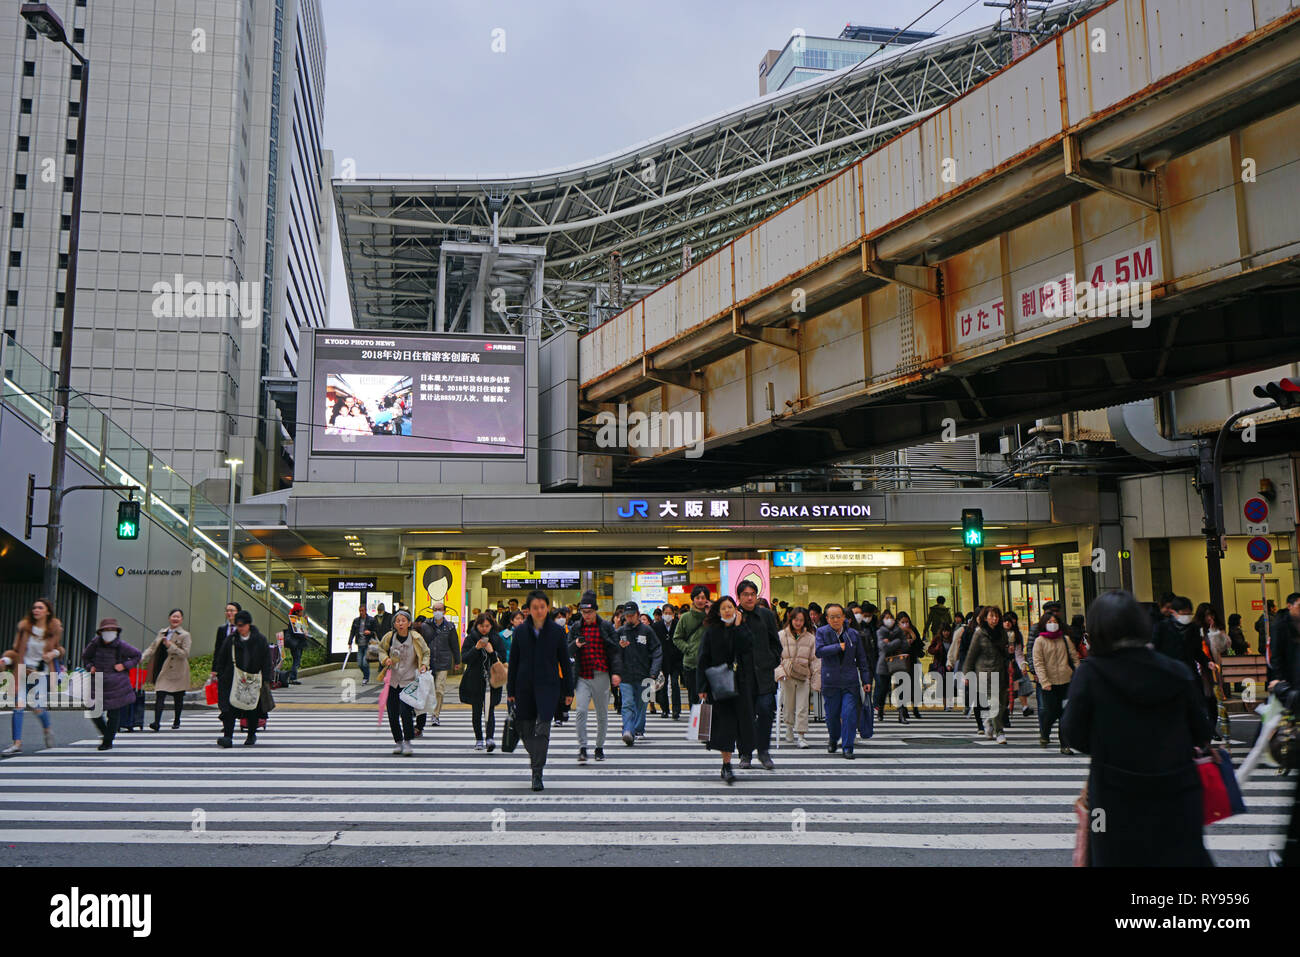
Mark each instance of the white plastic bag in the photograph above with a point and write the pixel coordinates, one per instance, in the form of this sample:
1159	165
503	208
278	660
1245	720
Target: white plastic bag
416	694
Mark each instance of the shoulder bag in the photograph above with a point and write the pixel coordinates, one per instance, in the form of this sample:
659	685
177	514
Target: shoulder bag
722	680
245	687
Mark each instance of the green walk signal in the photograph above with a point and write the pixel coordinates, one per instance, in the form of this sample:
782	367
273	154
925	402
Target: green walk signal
972	527
128	520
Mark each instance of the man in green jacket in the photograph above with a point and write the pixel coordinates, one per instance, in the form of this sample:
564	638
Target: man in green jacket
690	629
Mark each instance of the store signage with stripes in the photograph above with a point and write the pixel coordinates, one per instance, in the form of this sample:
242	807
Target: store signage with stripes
1016	557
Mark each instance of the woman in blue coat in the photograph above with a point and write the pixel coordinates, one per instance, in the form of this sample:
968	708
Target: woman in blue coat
539	675
108	655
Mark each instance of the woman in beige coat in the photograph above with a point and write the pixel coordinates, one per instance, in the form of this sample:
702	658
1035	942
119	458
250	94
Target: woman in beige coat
171	667
798	674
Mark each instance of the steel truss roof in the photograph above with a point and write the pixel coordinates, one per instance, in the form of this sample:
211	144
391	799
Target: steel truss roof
698	186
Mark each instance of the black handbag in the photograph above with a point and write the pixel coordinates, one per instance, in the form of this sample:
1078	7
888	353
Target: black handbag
897	663
509	731
722	682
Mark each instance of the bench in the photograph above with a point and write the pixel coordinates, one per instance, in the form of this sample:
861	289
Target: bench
1245	676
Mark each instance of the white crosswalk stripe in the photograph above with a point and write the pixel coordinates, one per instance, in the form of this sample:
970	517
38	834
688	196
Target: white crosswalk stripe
328	778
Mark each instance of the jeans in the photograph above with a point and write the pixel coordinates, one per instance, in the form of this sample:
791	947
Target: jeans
477	709
1051	705
178	704
362	663
296	651
634	710
595	688
841	716
764	715
401	717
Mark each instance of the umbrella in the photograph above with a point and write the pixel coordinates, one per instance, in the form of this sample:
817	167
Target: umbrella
383	696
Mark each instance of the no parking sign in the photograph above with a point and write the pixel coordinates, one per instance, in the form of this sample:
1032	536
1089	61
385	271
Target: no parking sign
1259	549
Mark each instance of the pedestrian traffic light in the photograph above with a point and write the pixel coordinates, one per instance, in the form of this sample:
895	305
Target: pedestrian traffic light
972	527
128	519
1285	392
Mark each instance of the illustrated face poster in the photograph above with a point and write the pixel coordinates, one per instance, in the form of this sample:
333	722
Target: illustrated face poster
733	571
437	579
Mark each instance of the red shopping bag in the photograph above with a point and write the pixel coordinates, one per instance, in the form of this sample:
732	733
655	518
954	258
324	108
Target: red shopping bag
210	692
1214	794
138	677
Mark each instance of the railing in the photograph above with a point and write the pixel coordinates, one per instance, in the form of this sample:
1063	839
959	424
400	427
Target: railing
174	504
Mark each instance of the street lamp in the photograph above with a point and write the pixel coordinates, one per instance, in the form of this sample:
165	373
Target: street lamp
230	534
45	22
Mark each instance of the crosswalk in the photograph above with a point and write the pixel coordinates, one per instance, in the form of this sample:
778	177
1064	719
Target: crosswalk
327	778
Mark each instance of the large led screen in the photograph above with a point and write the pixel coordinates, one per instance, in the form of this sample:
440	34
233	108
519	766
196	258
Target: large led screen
433	395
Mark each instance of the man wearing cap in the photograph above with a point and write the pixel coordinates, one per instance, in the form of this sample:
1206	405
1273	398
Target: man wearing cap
247	650
594	648
639	661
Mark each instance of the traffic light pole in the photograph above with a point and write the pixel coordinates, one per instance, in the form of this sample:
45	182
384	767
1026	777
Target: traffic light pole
975	578
32	487
1211	489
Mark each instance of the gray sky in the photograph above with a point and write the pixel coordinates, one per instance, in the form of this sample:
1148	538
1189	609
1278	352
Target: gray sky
413	87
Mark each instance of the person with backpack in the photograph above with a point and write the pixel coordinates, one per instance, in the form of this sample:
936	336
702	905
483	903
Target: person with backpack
594	648
689	631
483	651
1055	660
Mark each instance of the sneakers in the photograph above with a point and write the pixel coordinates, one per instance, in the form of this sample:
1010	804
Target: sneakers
803	741
848	755
397	750
407	750
1044	743
10	751
832	747
49	738
1002	739
629	739
491	745
1065	749
478	745
600	754
765	760
745	764
789	736
988	731
1026	711
640	736
433	720
224	742
582	755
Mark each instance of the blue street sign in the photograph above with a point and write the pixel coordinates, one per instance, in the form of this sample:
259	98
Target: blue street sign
1259	549
1256	510
788	559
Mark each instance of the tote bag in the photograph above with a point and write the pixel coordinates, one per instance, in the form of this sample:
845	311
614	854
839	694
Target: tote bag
245	688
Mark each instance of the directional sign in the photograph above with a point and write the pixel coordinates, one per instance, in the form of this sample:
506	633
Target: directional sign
1255	510
1259	549
1260	568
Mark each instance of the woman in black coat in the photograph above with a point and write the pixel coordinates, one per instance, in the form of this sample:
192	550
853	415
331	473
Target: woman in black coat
483	646
727	641
247	648
1139	715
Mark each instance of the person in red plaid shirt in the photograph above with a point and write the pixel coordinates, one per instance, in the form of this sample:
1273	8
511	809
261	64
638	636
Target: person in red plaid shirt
594	650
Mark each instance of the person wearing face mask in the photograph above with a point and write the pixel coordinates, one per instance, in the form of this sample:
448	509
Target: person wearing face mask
890	643
915	652
443	642
846	669
728	642
672	663
108	655
686	636
171	671
988	655
1178	637
1055	659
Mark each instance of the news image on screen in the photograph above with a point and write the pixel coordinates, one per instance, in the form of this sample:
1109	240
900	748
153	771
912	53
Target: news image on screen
429	395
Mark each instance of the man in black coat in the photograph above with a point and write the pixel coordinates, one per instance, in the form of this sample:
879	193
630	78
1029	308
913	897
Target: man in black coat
247	650
767	655
1284	681
540	674
228	629
383	621
444	655
672	689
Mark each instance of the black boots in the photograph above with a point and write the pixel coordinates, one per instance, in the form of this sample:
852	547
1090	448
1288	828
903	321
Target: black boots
537	780
728	776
